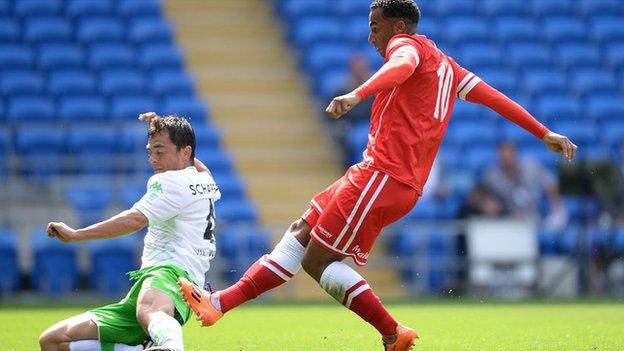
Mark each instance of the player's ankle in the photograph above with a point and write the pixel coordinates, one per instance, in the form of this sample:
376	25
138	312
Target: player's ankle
216	301
389	339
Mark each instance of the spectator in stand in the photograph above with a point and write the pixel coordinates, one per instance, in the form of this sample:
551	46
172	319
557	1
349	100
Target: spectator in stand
520	184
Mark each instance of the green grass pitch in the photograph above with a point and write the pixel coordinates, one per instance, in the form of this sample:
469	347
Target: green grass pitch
443	326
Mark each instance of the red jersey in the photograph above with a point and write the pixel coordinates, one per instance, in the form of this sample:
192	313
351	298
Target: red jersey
408	122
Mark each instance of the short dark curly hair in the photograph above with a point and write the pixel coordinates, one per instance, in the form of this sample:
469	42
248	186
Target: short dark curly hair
180	131
406	10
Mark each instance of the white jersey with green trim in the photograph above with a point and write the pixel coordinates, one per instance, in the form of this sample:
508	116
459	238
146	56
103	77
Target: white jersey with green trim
179	206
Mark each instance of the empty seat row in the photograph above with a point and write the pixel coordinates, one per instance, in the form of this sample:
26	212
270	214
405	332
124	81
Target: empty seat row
98	56
76	8
109	82
86	30
94	108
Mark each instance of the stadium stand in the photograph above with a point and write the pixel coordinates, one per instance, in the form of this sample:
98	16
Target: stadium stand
74	75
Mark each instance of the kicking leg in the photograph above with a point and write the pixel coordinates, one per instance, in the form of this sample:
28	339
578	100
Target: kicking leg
155	311
350	289
269	272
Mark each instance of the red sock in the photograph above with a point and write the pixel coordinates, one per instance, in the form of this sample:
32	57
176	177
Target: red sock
368	306
262	276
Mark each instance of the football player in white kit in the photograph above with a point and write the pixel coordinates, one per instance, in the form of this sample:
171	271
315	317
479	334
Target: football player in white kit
178	209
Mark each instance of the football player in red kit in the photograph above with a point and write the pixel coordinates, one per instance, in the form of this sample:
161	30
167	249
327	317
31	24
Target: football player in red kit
415	91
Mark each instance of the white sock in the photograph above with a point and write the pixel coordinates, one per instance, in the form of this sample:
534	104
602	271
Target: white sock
339	280
95	345
288	254
166	331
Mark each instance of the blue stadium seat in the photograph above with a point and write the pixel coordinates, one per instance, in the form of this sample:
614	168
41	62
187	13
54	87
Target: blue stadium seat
480	156
577	55
5	140
111	55
320	57
10	277
100	29
52	56
529	55
150	30
588	8
240	245
92	139
5	7
331	82
172	83
79	8
548	242
131	192
407	242
537	152
294	9
558	107
39	139
605	107
516	134
110	260
122	81
66	81
230	186
30	108
357	139
547	8
311	30
445	8
217	160
82	108
607	28
425	209
357	29
618	241
593	80
496	8
90	200
47	29
160	56
128	107
569	241
472	133
133	138
9	30
235	210
502	79
466	111
194	109
560	29
460	29
15	56
352	7
428	27
481	55
543	81
511	28
16	82
613	54
55	268
207	136
581	131
37	7
143	8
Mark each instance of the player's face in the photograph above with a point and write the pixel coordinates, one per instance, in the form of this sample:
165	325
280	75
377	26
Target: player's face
381	30
164	155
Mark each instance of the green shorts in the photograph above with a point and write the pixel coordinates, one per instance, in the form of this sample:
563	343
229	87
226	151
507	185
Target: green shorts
117	323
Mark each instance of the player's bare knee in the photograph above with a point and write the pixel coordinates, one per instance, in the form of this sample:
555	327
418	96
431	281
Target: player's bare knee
301	230
48	341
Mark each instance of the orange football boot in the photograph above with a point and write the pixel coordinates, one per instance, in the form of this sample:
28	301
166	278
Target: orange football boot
405	340
199	301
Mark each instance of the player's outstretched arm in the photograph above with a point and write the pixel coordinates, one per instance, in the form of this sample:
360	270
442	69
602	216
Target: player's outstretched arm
483	94
126	222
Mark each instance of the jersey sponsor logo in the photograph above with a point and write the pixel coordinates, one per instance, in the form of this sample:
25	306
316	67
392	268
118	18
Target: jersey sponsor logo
358	252
203	188
324	231
155	189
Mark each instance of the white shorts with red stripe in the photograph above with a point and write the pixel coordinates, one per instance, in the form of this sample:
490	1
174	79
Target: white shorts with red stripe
347	217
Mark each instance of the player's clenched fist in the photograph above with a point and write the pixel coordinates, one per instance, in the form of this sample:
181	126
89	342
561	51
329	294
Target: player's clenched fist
342	104
62	231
